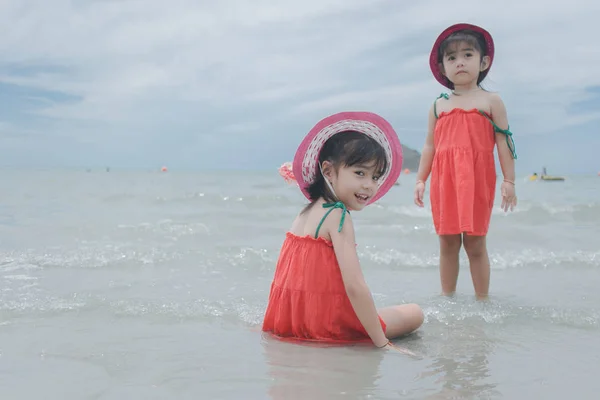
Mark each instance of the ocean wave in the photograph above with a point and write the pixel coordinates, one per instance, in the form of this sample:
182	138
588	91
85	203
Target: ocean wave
262	200
500	312
258	259
233	311
86	256
591	210
169	227
545	258
239	310
45	305
38	303
509	259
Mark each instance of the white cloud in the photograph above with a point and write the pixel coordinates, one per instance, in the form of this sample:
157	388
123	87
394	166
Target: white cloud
139	67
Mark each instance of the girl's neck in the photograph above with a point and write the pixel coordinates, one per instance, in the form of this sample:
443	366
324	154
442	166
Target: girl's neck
465	89
322	200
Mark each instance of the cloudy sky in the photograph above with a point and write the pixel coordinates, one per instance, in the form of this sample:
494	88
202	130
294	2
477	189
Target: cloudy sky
196	84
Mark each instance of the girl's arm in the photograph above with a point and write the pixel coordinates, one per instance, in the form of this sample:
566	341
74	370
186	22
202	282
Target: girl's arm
507	163
344	245
428	149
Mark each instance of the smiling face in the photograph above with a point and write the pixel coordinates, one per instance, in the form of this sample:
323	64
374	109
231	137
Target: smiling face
352	164
354	185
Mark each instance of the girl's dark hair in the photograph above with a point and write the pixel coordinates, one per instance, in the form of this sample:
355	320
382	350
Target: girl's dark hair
346	149
465	36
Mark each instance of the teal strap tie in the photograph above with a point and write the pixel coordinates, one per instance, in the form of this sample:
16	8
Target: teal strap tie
507	133
333	206
445	96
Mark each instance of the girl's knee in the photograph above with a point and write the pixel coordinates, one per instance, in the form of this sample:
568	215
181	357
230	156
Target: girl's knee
402	319
475	246
450	244
414	318
418	315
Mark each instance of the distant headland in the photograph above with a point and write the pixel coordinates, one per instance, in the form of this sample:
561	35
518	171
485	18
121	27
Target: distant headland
411	158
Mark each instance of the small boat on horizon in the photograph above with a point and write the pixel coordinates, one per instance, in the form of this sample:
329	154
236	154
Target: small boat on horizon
545	177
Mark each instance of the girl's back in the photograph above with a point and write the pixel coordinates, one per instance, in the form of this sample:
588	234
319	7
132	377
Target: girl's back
307	222
308	297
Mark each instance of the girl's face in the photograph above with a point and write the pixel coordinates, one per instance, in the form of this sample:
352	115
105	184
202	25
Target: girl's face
355	185
462	64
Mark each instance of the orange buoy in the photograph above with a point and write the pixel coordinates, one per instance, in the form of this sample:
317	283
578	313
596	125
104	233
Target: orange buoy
407	171
164	169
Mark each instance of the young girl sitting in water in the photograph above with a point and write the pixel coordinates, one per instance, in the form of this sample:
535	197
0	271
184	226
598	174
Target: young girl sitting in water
464	128
347	161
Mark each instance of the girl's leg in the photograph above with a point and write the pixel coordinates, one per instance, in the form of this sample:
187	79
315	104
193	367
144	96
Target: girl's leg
401	320
449	249
476	249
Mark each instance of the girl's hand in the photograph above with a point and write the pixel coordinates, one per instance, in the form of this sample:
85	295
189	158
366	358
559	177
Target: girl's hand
509	198
419	193
391	346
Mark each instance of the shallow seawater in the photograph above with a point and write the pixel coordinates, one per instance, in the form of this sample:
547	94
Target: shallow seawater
153	285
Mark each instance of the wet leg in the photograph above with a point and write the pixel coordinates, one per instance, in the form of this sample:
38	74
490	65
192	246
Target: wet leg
476	248
449	250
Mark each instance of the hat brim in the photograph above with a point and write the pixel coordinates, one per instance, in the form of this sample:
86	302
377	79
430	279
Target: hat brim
434	60
306	160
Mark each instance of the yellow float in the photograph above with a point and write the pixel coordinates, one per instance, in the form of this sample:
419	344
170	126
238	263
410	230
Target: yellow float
545	177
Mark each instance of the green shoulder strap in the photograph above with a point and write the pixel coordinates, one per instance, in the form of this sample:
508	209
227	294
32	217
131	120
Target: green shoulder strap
509	139
333	206
444	95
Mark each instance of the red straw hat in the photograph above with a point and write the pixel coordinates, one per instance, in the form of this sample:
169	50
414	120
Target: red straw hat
306	160
435	59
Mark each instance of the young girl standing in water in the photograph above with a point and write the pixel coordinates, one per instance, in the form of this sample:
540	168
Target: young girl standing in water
463	129
346	162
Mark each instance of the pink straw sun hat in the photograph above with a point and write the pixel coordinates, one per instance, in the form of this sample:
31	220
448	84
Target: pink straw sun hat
306	160
435	59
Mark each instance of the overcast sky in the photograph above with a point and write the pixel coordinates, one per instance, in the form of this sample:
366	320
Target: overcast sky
197	84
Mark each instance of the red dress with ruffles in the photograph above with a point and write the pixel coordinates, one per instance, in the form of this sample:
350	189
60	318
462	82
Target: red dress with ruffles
463	173
308	300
